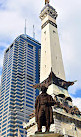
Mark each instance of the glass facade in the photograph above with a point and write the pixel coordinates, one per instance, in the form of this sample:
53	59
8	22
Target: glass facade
21	69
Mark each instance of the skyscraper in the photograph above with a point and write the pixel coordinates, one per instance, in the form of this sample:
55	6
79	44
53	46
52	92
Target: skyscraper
20	71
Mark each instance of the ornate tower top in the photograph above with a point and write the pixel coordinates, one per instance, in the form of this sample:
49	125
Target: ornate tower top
46	1
48	10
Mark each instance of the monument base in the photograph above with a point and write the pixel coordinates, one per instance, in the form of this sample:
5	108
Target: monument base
64	124
47	135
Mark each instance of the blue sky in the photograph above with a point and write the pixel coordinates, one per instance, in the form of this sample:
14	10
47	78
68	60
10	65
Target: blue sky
12	20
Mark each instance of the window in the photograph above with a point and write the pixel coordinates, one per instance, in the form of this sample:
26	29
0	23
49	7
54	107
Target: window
54	31
45	32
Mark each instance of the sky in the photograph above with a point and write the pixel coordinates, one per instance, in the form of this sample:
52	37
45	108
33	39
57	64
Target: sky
12	22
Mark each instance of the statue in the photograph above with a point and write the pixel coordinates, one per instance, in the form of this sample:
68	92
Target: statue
43	110
46	1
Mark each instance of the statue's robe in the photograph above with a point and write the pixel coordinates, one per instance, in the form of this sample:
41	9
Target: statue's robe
43	109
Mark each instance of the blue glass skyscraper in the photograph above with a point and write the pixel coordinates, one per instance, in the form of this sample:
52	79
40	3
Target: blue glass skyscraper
21	69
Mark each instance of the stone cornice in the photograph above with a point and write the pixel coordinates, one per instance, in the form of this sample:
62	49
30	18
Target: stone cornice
76	118
49	22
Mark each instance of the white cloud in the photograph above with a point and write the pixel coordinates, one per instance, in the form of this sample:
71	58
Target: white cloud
77	102
15	14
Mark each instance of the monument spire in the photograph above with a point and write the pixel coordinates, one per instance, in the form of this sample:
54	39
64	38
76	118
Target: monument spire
51	56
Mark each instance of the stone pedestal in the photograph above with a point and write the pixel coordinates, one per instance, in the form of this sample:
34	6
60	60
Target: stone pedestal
64	124
47	135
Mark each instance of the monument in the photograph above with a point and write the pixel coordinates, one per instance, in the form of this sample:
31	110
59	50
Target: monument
66	117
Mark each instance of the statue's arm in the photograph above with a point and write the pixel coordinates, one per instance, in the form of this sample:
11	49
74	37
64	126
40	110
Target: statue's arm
52	102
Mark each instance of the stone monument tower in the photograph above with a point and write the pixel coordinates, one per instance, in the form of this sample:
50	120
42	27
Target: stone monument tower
51	56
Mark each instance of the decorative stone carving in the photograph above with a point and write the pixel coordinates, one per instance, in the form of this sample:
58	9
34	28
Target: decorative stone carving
53	79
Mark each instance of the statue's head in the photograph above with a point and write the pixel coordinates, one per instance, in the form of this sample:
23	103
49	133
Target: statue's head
44	89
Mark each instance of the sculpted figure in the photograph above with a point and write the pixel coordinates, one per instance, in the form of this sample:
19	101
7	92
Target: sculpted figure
43	110
74	110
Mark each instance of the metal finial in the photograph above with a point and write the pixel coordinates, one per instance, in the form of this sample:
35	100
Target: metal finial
46	1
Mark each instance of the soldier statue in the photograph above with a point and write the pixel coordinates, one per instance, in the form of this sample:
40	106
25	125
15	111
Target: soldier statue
43	110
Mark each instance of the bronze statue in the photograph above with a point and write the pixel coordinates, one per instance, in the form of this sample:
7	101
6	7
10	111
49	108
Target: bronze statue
43	110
